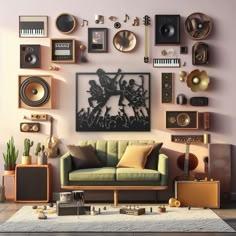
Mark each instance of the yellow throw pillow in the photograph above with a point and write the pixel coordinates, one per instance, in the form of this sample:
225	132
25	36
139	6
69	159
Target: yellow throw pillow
135	156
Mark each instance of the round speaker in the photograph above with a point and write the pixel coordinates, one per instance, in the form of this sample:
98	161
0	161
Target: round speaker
167	30
198	26
124	41
183	119
34	91
31	58
65	23
198	81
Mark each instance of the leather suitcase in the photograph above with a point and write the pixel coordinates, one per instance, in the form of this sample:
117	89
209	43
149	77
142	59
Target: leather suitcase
198	193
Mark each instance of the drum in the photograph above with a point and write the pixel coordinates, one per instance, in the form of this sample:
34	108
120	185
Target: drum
78	196
66	197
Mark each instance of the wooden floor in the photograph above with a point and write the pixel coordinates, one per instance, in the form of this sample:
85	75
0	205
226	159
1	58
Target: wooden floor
227	213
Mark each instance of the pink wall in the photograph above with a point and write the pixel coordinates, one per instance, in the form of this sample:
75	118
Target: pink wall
221	70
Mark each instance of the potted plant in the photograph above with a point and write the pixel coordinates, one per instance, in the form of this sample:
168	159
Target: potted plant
41	155
26	158
10	157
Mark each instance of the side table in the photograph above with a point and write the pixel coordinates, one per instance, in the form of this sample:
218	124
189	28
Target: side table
2	191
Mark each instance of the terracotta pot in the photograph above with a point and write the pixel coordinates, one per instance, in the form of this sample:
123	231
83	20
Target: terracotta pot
9	168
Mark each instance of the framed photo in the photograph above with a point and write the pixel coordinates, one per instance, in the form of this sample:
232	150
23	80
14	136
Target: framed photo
97	39
63	50
33	26
112	101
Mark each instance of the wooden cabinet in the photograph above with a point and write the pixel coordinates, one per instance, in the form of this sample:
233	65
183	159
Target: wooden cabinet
198	193
33	183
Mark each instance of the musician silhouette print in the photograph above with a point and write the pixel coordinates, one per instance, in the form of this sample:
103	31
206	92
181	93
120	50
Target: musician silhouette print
115	101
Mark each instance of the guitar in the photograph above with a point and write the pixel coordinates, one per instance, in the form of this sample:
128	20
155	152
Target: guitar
190	163
146	22
51	147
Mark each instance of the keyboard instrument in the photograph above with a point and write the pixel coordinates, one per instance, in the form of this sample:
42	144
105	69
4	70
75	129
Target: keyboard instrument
166	62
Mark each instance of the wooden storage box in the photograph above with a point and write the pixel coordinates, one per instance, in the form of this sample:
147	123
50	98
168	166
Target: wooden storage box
198	193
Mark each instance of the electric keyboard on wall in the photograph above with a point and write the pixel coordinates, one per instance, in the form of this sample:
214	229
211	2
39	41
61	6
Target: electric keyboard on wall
166	62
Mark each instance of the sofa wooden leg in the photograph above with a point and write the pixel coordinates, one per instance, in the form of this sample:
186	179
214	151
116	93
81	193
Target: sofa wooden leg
115	197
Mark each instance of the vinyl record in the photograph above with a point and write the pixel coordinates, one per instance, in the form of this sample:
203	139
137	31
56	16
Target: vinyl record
65	23
124	41
34	91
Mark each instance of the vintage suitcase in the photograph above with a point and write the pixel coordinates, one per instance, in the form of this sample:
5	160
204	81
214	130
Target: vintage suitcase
71	208
198	193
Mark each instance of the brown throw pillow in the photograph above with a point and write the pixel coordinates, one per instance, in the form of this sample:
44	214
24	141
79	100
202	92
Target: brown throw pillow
153	157
135	156
83	157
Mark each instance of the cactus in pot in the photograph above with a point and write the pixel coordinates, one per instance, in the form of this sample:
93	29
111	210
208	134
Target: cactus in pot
26	158
10	157
39	151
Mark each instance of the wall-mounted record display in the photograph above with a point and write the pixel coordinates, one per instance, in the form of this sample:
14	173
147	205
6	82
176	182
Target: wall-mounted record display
124	41
63	50
66	23
198	26
33	26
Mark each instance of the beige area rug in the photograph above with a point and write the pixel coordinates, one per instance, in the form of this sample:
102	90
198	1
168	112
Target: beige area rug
174	220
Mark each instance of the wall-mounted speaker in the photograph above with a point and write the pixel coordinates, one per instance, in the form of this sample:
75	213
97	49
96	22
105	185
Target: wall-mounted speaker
30	56
35	92
167	87
29	127
167	29
200	53
182	120
220	167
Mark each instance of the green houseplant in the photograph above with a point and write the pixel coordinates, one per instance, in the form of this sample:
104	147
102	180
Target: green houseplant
26	158
10	157
40	153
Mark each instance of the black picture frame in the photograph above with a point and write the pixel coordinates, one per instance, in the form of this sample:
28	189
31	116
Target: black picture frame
97	40
33	26
113	101
63	50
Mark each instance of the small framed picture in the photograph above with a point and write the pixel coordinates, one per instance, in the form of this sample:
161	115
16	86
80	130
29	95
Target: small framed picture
63	50
97	39
33	26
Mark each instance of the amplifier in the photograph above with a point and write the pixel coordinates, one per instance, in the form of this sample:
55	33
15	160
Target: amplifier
135	212
71	208
198	193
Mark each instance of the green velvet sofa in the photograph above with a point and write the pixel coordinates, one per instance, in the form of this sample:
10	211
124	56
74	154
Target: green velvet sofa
109	177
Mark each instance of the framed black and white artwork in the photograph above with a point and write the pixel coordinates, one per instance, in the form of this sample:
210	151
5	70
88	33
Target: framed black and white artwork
114	101
97	40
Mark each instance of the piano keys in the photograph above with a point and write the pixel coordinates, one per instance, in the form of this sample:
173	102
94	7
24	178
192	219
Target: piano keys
33	26
166	62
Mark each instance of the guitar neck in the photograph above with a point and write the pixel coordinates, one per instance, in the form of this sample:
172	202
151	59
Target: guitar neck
186	161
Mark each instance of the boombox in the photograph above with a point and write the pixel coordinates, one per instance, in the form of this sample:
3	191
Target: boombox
167	29
35	92
187	120
30	56
29	127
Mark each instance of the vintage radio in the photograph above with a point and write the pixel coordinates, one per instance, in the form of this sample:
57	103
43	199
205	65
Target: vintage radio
131	211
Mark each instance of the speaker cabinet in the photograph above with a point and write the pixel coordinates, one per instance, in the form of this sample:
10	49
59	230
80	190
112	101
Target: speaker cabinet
29	127
220	167
32	183
35	92
182	120
30	56
167	87
198	193
167	29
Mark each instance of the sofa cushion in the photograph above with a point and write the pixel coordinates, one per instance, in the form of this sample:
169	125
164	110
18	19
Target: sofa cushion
152	158
93	174
83	157
135	156
134	174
